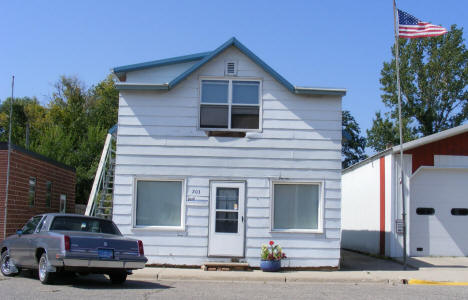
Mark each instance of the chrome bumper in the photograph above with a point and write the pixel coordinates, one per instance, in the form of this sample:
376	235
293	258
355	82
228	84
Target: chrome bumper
93	263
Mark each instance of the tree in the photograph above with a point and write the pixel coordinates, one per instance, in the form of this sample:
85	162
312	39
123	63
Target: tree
27	119
434	78
79	119
354	145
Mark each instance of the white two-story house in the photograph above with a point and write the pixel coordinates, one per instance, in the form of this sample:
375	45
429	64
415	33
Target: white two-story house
218	154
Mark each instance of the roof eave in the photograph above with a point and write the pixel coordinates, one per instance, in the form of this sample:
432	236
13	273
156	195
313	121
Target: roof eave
432	138
233	42
161	62
319	91
141	87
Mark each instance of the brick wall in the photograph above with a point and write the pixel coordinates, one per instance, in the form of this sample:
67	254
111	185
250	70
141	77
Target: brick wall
23	166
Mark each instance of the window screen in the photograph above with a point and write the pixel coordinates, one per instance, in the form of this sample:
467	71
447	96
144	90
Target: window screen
296	206
214	116
244	117
425	211
159	203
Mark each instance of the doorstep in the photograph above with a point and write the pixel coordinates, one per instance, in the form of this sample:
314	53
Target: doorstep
225	266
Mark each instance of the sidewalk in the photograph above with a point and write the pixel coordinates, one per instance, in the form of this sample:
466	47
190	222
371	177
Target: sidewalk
357	268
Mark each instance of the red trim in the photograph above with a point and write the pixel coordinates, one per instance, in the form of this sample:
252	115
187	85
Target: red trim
382	206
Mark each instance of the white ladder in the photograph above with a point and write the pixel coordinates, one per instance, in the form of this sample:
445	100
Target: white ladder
100	202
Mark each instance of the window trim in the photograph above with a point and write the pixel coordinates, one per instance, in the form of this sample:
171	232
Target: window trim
321	206
230	79
182	207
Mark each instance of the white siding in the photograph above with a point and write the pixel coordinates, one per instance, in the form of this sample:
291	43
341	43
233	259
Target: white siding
361	208
450	161
301	140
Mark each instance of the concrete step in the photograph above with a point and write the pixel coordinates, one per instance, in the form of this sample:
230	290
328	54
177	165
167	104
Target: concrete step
225	266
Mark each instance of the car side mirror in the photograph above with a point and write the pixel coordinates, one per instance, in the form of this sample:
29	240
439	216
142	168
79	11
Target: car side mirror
19	232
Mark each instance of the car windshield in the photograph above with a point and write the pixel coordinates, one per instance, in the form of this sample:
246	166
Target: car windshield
84	224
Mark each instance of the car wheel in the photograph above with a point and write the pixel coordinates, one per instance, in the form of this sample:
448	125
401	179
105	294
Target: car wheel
6	265
118	277
45	277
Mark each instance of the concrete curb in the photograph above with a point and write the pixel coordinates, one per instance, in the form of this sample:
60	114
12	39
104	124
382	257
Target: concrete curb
175	274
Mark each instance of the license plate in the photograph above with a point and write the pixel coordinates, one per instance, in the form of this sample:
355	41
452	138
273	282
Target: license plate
106	253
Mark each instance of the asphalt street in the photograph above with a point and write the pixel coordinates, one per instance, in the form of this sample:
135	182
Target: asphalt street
26	286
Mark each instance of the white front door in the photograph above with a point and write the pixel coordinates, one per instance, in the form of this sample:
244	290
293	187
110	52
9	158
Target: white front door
226	236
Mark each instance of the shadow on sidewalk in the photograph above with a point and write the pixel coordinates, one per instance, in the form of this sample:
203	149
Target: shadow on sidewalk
96	282
353	261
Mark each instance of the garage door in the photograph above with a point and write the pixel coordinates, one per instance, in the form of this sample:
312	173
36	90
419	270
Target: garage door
439	213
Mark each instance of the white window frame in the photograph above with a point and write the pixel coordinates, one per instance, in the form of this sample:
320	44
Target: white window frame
230	79
182	207
320	219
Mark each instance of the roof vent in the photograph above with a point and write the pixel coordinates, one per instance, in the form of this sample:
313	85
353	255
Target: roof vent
230	68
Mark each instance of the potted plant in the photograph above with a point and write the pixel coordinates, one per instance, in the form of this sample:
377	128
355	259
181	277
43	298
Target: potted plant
271	257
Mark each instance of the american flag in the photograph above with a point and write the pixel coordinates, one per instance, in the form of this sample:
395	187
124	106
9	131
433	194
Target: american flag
410	27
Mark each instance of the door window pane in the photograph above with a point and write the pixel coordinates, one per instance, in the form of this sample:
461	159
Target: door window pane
214	116
245	92
226	222
227	198
32	191
215	91
296	206
245	117
159	203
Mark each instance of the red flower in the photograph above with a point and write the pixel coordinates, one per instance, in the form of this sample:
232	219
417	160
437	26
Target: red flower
271	243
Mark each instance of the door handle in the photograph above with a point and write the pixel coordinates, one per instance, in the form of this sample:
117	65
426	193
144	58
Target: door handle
242	219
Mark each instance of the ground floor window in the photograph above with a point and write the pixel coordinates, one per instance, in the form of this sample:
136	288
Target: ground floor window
32	191
296	206
158	203
63	203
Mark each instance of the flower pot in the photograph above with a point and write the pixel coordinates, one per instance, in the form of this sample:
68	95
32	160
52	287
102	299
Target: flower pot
270	265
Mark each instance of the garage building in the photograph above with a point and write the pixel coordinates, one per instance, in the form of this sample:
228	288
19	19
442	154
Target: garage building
436	197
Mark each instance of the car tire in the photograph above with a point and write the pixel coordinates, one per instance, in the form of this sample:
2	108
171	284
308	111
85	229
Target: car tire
6	265
45	277
118	277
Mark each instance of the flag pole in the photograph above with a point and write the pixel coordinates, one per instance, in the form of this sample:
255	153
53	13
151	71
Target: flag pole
402	182
9	158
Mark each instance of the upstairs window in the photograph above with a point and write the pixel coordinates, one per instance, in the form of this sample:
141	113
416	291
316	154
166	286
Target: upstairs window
230	105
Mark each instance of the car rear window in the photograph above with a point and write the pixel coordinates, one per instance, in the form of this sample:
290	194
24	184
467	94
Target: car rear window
84	224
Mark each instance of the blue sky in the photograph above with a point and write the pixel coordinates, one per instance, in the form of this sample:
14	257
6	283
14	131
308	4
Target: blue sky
313	43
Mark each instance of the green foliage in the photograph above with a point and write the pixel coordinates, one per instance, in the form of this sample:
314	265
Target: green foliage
71	129
434	79
27	112
272	252
354	144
